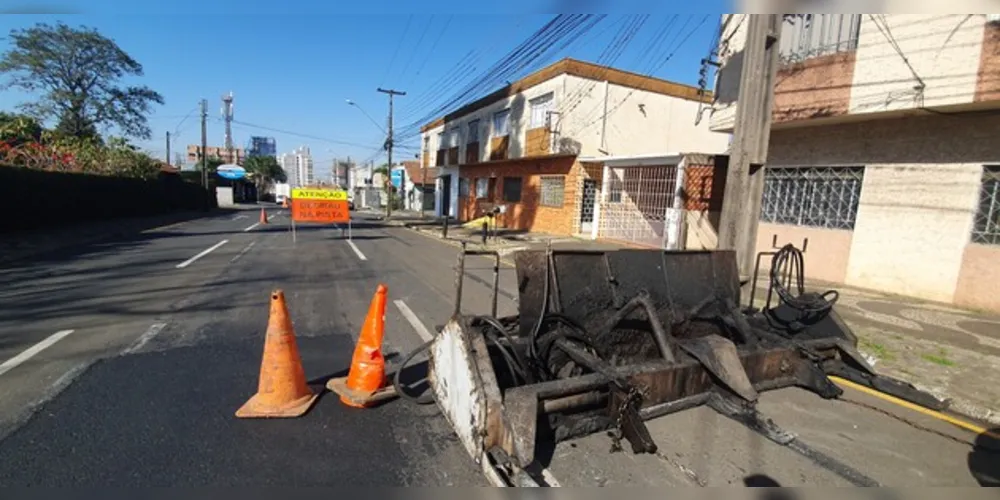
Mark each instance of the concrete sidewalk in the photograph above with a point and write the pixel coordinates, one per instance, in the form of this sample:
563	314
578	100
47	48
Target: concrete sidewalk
950	352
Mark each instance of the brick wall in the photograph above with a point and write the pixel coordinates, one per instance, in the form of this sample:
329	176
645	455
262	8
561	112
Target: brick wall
527	214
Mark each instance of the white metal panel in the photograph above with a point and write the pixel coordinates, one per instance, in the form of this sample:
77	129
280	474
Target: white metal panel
454	380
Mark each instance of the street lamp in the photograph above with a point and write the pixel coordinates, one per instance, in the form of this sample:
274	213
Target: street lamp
356	105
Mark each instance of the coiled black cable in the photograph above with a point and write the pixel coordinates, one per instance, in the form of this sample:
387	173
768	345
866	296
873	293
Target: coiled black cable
807	303
423	399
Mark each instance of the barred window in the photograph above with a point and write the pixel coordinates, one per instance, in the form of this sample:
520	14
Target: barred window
553	187
986	228
812	196
482	188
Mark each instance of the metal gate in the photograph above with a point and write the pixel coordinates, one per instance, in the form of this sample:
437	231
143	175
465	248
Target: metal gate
587	206
638	206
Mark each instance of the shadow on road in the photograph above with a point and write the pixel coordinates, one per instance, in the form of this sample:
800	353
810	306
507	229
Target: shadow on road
984	459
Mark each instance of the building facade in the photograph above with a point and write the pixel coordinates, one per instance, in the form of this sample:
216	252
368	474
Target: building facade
237	156
518	150
298	167
883	152
262	146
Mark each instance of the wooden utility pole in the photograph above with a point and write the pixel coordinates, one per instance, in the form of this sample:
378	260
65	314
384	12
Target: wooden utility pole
168	149
751	133
388	147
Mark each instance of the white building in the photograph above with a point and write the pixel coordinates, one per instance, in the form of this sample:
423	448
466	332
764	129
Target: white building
535	148
298	166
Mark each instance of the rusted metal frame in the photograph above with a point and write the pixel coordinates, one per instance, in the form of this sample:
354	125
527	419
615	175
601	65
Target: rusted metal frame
661	334
460	278
668	387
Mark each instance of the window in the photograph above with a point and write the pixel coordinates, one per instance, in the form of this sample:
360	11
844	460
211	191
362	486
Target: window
473	132
512	189
453	138
986	227
812	35
540	107
441	141
814	196
501	123
482	188
552	190
463	187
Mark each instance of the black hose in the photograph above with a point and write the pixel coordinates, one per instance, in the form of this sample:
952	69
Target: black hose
541	312
518	366
807	303
423	399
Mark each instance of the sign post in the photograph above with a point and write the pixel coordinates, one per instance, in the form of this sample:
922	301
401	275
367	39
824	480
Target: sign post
318	205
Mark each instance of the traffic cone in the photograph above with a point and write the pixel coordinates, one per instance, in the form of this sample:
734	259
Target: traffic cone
282	390
263	216
365	383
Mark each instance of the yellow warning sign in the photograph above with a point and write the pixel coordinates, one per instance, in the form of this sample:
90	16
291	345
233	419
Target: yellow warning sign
318	194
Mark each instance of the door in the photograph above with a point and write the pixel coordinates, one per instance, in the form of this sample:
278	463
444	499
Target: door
587	205
445	195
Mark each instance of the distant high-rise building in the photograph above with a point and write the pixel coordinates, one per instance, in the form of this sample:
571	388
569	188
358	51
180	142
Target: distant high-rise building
262	146
298	166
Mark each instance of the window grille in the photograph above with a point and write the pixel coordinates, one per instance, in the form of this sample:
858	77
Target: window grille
812	196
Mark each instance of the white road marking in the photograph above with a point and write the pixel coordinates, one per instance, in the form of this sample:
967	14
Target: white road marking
238	217
30	352
550	479
203	253
143	339
353	246
242	252
413	319
250	228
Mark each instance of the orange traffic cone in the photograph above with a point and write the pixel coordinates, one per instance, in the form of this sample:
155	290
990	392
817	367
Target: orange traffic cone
263	216
282	390
365	383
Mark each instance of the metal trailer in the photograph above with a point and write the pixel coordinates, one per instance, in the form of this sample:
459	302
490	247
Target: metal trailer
606	340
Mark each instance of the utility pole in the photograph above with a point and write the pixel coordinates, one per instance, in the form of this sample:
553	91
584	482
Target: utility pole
227	114
388	146
204	144
423	186
751	133
168	149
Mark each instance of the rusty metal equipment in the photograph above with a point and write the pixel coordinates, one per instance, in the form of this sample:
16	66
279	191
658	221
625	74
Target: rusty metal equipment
606	340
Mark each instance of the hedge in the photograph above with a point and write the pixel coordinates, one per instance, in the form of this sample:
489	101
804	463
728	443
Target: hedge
35	199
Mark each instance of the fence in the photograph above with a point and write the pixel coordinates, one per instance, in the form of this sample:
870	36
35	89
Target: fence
635	207
38	199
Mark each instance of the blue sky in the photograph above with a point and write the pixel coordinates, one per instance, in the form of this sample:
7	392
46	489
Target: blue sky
292	67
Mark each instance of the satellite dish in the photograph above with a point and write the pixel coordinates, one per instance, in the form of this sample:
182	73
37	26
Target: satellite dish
231	171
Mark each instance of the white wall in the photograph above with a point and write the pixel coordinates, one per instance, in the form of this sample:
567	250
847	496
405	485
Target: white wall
439	192
638	122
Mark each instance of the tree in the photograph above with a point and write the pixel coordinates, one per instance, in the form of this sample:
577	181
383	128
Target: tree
213	163
264	170
386	173
19	129
76	73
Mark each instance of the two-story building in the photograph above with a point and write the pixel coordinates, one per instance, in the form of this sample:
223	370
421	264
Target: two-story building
884	150
537	148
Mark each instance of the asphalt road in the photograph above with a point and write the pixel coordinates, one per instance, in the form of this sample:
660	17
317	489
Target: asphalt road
143	390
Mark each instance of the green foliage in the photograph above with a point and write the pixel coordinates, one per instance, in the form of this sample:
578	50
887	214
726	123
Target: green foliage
16	130
76	73
264	170
213	163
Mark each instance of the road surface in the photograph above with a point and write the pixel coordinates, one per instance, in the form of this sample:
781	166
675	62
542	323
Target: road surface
123	363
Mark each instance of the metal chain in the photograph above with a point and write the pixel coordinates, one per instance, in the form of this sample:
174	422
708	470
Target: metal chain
634	395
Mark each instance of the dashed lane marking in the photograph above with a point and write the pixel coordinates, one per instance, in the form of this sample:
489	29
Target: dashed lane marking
143	339
358	252
414	320
30	352
203	253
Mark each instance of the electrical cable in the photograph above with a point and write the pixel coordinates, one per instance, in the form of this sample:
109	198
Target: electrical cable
807	303
540	43
423	399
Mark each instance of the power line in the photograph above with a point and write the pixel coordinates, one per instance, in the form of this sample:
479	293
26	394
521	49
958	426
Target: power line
526	53
304	136
416	47
588	122
434	45
395	53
